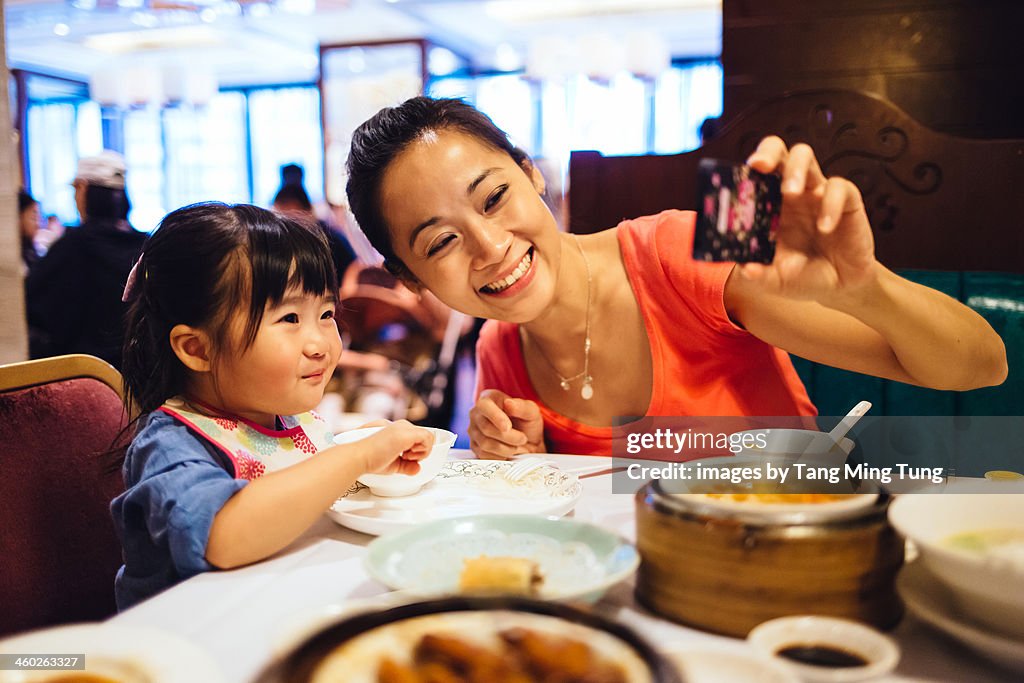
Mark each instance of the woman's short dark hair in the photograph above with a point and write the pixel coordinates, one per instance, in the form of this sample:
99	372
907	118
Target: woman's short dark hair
377	142
202	264
106	203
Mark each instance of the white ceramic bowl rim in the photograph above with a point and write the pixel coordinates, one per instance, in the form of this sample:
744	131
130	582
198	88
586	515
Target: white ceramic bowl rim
879	650
397	484
911	517
441	436
787	435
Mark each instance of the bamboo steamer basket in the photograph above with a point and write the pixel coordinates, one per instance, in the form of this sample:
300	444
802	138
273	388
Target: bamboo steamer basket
726	571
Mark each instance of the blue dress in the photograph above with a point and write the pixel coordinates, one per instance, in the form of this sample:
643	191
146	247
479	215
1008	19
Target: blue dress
176	482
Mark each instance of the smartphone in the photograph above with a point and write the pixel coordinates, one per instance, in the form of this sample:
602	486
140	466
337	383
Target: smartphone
737	213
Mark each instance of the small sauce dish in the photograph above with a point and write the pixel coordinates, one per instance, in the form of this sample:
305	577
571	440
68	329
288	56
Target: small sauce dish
826	649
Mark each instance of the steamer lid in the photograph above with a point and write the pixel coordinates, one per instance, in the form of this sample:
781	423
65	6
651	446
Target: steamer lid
856	508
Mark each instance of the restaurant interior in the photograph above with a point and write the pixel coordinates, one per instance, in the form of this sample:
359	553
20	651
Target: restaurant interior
549	566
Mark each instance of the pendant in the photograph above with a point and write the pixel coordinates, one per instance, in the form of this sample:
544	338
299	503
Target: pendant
565	385
587	392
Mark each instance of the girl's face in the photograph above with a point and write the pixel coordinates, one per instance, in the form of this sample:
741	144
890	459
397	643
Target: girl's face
471	227
287	368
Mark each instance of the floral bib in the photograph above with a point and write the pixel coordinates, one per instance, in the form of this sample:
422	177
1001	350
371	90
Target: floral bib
253	449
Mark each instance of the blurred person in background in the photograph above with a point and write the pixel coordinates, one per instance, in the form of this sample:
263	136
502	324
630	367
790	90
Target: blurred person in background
709	128
293	201
50	233
73	295
29	220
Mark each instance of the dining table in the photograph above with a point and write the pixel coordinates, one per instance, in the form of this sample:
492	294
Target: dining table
243	618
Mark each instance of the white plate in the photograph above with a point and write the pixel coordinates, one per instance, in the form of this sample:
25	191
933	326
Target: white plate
928	599
130	653
462	488
578	561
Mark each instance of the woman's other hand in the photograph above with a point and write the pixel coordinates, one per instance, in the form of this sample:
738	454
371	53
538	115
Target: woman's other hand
824	247
501	427
397	448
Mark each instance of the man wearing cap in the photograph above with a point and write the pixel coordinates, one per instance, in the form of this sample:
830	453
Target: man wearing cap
73	295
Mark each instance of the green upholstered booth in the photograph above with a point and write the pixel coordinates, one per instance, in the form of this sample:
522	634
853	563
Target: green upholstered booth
998	297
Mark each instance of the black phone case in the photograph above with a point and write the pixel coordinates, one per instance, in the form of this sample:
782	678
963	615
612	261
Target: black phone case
737	213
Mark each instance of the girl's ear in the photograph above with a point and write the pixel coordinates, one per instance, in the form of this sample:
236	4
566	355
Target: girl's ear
535	176
192	347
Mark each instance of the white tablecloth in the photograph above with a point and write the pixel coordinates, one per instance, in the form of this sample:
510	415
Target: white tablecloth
242	617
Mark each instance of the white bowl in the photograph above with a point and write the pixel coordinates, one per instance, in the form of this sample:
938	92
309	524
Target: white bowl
809	443
394	485
988	587
879	651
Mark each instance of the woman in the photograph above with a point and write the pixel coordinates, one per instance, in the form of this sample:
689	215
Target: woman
293	201
29	220
623	322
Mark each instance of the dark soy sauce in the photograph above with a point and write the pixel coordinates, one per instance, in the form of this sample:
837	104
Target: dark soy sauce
822	655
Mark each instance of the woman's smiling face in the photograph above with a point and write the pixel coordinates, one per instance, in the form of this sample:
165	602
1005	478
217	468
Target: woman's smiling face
471	227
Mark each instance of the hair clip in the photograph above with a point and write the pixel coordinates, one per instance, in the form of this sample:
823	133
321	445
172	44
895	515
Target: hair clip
129	286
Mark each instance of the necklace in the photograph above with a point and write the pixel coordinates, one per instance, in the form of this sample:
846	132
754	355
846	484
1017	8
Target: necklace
587	390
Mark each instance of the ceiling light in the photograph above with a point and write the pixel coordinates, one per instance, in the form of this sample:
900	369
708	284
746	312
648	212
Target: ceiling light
540	10
259	10
145	19
441	61
185	37
61	29
506	58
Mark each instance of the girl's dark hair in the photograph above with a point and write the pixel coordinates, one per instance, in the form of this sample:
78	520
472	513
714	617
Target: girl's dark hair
105	203
377	142
203	263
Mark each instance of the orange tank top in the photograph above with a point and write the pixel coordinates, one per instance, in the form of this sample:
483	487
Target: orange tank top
703	364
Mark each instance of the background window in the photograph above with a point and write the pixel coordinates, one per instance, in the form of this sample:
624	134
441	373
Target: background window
284	127
61	125
205	152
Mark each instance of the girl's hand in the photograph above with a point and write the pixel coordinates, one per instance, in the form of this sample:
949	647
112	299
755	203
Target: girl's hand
824	247
501	427
397	448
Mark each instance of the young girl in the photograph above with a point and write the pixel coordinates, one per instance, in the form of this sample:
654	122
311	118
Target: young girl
624	322
232	342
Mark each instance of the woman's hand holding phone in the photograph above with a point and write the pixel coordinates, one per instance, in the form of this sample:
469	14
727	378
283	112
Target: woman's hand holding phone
824	246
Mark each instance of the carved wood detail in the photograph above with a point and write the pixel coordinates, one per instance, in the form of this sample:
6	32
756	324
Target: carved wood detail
935	201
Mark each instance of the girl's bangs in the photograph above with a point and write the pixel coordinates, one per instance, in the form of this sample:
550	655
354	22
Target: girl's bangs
285	254
291	256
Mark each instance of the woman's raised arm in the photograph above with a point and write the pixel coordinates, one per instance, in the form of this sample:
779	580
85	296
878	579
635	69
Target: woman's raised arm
826	298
